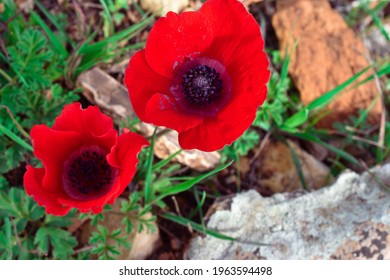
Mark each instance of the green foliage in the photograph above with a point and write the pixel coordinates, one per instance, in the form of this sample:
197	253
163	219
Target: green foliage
134	213
107	242
29	91
112	15
61	240
17	204
241	146
44	235
366	7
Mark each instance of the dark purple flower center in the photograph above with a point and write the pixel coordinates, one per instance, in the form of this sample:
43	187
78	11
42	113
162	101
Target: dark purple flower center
201	85
87	174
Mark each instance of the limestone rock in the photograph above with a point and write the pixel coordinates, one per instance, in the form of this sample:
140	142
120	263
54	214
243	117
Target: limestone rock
112	97
348	220
278	173
328	53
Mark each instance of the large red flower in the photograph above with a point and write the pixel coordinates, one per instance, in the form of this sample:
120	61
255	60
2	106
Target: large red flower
85	163
202	73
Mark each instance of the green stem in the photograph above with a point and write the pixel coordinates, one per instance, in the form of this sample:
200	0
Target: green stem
5	75
16	138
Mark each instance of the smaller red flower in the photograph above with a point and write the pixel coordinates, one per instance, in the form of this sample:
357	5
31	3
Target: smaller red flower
85	163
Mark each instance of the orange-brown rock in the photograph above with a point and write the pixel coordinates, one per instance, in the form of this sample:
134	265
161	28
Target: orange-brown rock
328	53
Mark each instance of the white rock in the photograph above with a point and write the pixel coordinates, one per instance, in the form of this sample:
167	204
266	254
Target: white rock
348	220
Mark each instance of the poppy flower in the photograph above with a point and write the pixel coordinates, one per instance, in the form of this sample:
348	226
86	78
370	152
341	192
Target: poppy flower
202	73
85	163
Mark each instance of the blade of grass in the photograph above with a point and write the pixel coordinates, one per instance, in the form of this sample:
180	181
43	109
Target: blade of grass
337	151
115	38
57	45
54	22
185	222
326	98
377	21
297	119
199	204
138	8
107	16
382	72
164	162
188	184
16	138
298	166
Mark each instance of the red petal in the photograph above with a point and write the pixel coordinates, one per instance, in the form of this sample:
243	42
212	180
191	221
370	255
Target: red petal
124	155
231	122
53	148
238	43
32	181
166	112
176	37
95	127
142	82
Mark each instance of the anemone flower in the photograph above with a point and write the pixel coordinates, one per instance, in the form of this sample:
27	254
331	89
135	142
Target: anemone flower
85	163
202	73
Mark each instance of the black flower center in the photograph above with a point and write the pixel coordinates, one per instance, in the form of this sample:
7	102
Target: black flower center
87	174
201	85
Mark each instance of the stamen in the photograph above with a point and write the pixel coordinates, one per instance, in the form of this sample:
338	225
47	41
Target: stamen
201	85
87	174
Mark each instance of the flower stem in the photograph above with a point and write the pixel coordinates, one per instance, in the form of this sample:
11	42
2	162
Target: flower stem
5	75
149	168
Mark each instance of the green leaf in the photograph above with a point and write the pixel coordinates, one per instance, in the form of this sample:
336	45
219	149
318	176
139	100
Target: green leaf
61	240
297	119
6	240
18	204
108	23
188	184
298	166
185	222
162	163
339	152
326	98
16	138
55	42
378	21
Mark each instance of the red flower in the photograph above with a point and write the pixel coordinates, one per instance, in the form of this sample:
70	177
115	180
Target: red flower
85	163
202	73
